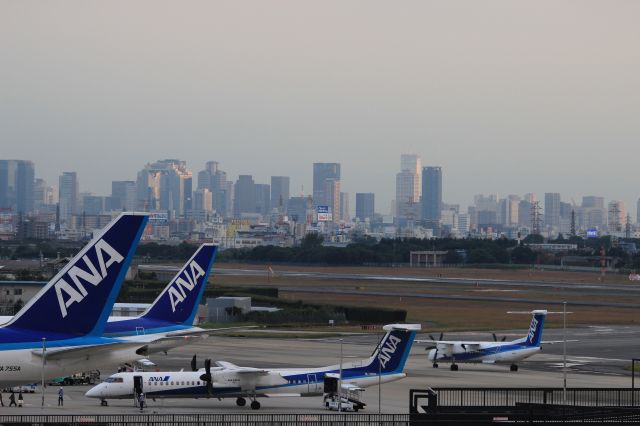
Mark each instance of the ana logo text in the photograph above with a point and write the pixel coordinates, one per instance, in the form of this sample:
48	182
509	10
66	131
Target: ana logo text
532	329
68	293
184	284
159	378
388	349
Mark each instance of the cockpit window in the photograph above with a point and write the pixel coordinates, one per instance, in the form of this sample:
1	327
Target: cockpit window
114	380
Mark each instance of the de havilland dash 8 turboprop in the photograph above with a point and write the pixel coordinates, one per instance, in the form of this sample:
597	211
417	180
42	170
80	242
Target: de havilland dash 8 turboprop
231	381
66	319
489	352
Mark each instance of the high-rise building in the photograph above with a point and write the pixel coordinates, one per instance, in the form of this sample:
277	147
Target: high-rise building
365	205
432	197
69	196
279	193
617	216
345	214
300	209
16	185
43	195
321	173
166	185
123	195
245	196
485	212
215	180
263	199
552	210
413	163
92	204
593	213
407	198
202	204
332	197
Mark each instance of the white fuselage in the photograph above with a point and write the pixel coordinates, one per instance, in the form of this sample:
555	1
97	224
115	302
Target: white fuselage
226	384
23	366
485	352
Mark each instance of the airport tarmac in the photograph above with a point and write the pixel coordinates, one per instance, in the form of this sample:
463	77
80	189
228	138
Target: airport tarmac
598	359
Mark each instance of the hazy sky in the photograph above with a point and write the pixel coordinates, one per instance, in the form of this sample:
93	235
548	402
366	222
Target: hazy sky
506	96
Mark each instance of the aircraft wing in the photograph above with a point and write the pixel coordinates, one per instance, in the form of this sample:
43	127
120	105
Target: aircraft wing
555	342
197	331
241	370
84	351
351	387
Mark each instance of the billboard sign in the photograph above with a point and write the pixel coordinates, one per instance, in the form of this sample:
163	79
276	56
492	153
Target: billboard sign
324	214
592	233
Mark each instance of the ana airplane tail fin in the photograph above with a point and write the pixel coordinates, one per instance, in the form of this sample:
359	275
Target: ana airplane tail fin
535	329
78	300
391	353
178	303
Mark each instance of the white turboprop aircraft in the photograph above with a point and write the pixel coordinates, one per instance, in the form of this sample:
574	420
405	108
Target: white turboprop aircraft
489	352
66	319
231	381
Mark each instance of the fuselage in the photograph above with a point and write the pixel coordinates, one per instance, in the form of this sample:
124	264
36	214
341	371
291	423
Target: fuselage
487	352
229	384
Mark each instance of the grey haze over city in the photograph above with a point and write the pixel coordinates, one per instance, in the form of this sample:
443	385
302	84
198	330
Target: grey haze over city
508	97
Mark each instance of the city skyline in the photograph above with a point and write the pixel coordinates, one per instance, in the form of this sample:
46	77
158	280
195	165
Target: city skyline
504	97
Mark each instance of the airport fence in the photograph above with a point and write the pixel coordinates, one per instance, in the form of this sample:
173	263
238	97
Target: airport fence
208	419
489	397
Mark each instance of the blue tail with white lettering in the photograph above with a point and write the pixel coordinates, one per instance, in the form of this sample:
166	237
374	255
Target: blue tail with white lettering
534	338
78	300
179	301
391	353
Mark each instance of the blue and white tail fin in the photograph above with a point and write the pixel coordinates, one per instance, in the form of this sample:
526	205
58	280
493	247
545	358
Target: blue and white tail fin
534	338
391	353
78	300
178	303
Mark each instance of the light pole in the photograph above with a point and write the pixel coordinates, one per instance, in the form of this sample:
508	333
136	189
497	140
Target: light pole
564	352
340	381
44	354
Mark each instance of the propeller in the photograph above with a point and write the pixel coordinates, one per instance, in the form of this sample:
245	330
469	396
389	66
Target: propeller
495	338
435	354
206	377
194	364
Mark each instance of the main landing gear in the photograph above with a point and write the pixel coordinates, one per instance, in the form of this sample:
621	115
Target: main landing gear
435	365
241	402
513	367
454	367
104	403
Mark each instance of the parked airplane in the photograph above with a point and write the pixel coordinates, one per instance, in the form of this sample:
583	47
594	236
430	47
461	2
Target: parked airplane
231	381
69	314
168	322
490	352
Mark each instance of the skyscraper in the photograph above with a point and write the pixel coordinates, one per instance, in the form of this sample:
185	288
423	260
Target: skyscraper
166	185
413	163
365	205
245	196
593	212
617	216
279	193
332	197
432	196
552	210
321	173
345	214
16	185
263	199
202	203
406	195
123	195
68	196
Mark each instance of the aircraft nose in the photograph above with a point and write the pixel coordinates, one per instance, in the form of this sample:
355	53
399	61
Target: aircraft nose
94	392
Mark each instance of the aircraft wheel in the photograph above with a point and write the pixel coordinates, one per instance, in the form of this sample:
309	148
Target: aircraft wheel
454	367
255	405
104	403
241	402
435	365
514	367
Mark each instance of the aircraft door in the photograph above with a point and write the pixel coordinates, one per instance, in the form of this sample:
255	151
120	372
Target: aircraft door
137	386
312	384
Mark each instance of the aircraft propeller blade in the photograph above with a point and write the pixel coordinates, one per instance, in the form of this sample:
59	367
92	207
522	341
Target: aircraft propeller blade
503	338
495	338
206	377
193	364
